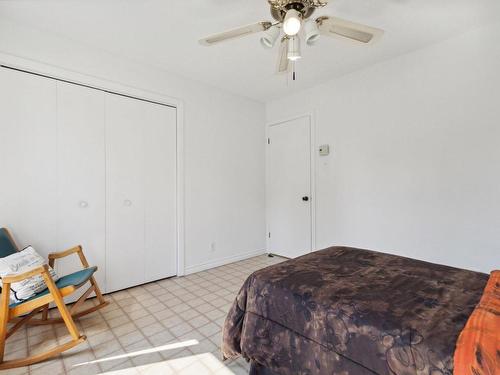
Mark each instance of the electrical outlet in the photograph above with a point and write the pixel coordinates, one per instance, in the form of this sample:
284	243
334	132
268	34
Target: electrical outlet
212	247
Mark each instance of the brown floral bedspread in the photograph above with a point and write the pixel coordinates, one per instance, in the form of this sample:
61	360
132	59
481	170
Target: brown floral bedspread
350	311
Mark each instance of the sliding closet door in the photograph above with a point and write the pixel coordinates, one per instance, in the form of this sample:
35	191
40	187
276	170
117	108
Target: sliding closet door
81	176
28	158
160	191
125	258
84	167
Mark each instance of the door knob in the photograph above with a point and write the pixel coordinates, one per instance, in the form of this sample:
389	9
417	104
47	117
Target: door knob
305	199
83	204
127	203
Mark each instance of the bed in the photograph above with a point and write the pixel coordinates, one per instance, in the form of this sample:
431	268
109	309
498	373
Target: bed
351	311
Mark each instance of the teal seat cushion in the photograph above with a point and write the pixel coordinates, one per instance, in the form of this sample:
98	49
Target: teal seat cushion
6	246
76	279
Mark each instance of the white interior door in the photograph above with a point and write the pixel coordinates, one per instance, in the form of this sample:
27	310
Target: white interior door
141	192
289	188
28	158
160	168
81	177
125	261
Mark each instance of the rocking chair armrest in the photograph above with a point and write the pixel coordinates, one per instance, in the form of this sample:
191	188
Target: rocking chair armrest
65	253
61	254
9	279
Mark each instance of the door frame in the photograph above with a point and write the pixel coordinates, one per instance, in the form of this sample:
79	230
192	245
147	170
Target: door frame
49	71
312	171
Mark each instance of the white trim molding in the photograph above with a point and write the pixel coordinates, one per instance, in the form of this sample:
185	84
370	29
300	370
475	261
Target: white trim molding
180	207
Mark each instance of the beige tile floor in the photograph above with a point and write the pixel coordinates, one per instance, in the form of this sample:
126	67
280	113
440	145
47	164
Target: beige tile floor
171	326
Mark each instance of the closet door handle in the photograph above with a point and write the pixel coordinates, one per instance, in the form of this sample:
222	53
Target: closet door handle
127	203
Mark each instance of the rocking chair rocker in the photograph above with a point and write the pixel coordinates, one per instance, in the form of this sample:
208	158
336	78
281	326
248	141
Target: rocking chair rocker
23	312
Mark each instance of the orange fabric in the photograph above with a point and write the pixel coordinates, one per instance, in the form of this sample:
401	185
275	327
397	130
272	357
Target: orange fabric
478	346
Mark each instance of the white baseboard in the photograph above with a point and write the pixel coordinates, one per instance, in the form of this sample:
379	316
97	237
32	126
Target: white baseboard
222	261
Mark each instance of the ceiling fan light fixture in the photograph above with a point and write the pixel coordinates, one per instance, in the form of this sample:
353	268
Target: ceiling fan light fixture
293	53
292	22
270	37
311	32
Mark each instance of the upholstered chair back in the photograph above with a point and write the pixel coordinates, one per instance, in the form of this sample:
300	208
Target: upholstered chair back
7	245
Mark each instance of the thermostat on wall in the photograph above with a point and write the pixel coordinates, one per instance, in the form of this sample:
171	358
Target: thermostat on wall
324	150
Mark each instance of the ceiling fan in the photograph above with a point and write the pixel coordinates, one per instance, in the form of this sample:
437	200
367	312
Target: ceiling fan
291	17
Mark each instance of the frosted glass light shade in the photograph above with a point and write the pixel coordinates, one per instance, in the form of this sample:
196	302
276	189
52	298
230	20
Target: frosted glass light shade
292	22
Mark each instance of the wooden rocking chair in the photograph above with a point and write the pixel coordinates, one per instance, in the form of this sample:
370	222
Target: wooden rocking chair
23	312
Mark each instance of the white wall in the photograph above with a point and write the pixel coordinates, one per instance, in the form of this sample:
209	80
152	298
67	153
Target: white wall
223	144
415	167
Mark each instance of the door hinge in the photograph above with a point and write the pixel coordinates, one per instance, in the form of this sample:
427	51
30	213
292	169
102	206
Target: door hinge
268	141
269	234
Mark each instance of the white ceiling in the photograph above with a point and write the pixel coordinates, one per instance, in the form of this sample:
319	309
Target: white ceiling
164	33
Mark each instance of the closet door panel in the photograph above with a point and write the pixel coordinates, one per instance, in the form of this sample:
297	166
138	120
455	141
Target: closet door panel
28	158
81	177
160	192
125	256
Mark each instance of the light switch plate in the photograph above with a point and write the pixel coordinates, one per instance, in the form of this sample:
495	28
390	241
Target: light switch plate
324	150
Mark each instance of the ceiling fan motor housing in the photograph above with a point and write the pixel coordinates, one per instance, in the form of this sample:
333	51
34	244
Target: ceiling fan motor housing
305	7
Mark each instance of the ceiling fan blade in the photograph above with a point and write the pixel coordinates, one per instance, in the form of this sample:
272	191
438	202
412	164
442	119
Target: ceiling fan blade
337	27
283	58
235	33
